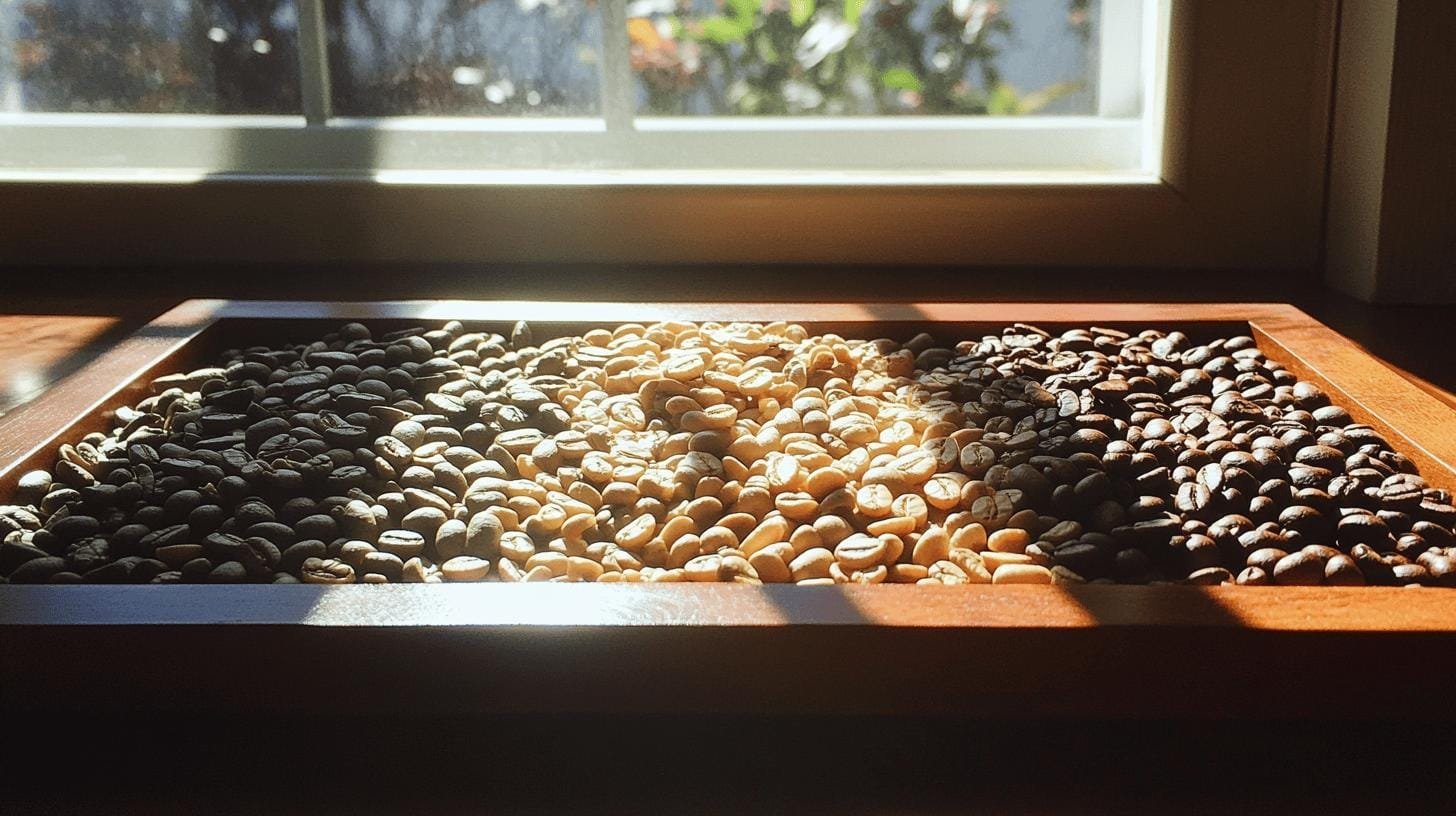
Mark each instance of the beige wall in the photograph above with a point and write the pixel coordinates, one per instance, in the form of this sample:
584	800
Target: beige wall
1391	222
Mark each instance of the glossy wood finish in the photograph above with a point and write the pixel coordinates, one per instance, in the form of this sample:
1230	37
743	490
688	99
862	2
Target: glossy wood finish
1118	651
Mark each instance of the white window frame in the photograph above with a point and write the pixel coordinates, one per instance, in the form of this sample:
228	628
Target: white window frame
1239	186
1119	145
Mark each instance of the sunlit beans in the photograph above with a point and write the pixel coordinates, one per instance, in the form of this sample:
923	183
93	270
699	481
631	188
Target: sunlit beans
859	551
1021	574
812	563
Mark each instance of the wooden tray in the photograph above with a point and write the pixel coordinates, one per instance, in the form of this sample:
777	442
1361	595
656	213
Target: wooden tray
980	650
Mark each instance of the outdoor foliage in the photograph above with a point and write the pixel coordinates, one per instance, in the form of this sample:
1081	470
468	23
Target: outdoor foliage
841	57
154	57
514	57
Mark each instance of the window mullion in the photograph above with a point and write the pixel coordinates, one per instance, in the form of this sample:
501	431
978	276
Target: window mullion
1119	56
616	66
313	63
10	90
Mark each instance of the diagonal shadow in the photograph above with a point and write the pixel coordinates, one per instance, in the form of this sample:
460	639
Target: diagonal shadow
1110	606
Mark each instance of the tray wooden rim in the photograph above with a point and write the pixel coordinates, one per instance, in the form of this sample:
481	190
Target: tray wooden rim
1413	419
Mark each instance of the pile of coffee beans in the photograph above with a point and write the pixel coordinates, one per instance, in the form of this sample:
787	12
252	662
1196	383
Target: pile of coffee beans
748	453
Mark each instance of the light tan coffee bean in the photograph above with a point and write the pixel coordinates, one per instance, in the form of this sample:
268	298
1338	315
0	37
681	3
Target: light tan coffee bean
637	532
416	573
946	572
832	529
770	567
1021	574
771	531
580	568
1008	540
465	568
972	537
509	571
907	573
804	537
933	545
813	563
554	561
894	525
995	560
859	551
517	546
971	563
738	569
704	568
873	501
799	507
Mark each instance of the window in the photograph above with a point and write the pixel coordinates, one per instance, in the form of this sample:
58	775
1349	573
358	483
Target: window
1159	133
485	90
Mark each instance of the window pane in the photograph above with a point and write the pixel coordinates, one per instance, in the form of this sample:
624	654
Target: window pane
863	57
149	56
465	57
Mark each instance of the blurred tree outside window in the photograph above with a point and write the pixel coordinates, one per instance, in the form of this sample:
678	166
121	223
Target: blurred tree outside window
545	57
863	57
149	56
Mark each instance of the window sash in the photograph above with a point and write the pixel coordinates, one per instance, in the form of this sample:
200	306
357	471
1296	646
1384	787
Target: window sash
1118	146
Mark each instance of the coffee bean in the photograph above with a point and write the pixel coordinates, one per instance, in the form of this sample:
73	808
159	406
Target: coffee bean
1341	570
1299	569
228	572
326	571
465	568
402	543
37	570
1094	452
1252	576
1362	528
1210	576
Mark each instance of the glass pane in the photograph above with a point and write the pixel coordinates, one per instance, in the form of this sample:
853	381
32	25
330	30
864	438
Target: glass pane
149	56
465	57
863	57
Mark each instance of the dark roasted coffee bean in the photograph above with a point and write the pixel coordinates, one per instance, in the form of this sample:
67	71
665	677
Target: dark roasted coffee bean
1341	570
1131	566
1411	574
1434	534
292	559
259	556
280	534
1299	569
228	572
1210	576
1321	456
1362	528
1440	568
76	527
37	570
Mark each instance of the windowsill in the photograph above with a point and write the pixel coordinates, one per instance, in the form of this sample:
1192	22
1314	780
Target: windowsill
603	178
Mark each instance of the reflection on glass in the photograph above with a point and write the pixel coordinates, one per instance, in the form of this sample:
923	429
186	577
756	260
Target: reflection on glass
149	56
863	57
465	57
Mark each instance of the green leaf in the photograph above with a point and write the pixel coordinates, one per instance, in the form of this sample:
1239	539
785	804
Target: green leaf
852	11
901	79
1003	101
800	11
1036	100
723	30
744	10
